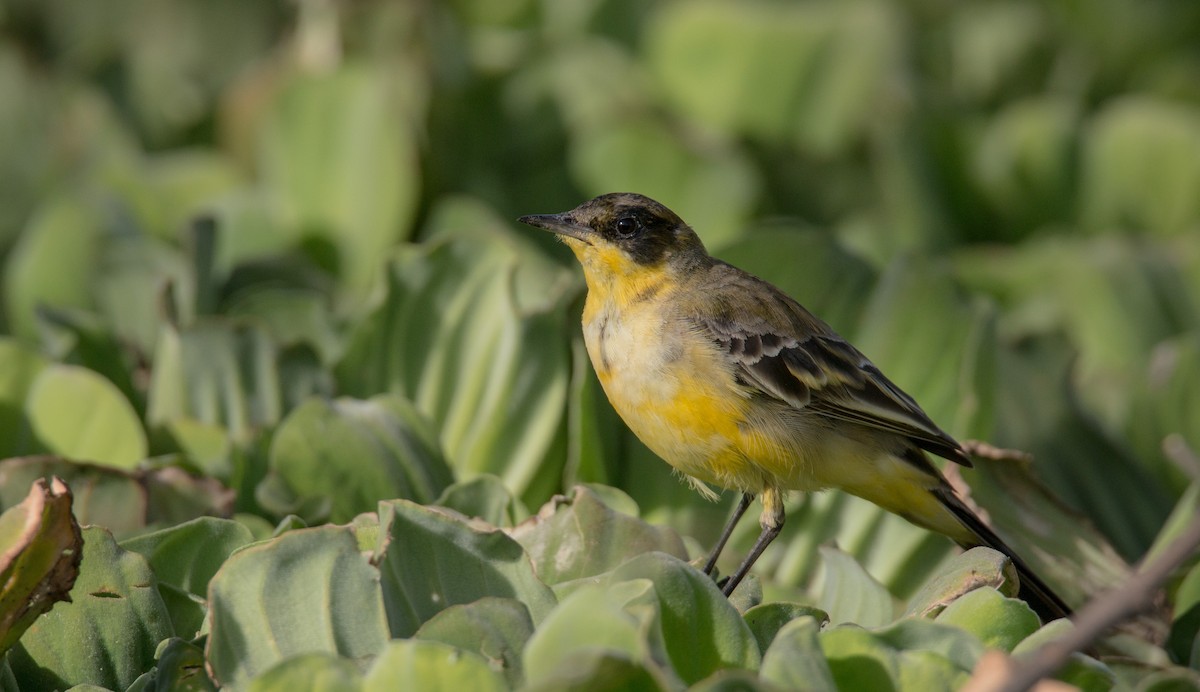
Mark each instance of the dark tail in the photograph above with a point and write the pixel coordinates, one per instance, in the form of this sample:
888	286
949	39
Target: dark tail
1034	591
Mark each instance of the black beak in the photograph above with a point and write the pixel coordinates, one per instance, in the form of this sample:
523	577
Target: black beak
561	224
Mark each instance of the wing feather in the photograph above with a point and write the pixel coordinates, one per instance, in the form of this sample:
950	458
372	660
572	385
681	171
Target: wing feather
814	368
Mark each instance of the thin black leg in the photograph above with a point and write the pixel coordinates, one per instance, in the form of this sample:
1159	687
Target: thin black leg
764	539
726	532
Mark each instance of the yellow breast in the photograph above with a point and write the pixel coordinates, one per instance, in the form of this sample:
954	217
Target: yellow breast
671	386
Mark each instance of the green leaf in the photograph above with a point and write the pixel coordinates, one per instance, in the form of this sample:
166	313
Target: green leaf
143	283
315	672
1184	639
506	13
1026	157
659	497
260	528
107	635
809	71
1115	298
998	622
27	148
601	670
965	572
250	238
731	680
52	262
495	628
430	560
187	555
490	371
292	523
274	496
293	316
105	497
76	413
747	595
22	367
794	660
1176	679
1141	164
989	44
205	445
852	595
622	633
424	665
357	453
615	498
174	495
159	74
1163	406
484	497
40	550
858	660
135	687
307	590
924	670
173	187
122	501
702	631
1186	509
960	648
187	611
910	654
766	619
579	536
217	373
366	531
337	150
83	338
181	667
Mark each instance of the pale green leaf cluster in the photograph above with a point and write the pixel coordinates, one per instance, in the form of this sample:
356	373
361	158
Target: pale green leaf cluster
327	413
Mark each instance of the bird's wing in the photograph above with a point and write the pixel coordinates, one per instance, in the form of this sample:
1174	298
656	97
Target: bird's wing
815	369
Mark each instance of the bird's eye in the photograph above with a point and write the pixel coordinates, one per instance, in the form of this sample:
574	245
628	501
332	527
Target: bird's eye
627	226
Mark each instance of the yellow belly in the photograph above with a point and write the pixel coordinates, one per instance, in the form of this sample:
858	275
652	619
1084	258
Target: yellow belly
677	393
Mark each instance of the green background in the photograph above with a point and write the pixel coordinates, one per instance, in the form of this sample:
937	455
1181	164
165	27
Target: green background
258	260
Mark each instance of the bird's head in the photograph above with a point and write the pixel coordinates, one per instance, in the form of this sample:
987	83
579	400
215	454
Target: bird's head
623	234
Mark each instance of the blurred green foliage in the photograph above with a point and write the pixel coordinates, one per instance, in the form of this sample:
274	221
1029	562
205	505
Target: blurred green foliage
257	260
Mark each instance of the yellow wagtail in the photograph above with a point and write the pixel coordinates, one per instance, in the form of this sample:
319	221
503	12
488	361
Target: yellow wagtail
733	383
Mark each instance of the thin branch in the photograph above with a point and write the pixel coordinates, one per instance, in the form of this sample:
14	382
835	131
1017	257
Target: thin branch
1104	611
979	448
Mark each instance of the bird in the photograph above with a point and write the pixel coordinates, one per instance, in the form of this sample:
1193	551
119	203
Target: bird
736	385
